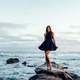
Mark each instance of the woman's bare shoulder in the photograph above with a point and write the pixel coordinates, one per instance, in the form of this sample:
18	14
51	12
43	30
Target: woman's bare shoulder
53	33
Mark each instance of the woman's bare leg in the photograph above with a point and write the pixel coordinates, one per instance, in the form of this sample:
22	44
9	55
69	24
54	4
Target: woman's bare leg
47	59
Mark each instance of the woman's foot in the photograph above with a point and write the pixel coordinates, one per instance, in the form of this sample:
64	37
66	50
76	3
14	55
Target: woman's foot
49	67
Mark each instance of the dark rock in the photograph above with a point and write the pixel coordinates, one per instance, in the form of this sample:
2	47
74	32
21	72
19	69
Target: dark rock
24	63
1	79
12	60
74	76
11	79
45	77
65	67
56	73
30	65
35	77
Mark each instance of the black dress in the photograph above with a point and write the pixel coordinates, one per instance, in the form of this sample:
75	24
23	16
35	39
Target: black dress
48	43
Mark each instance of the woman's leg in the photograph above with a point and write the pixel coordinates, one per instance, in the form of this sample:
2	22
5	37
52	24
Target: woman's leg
47	59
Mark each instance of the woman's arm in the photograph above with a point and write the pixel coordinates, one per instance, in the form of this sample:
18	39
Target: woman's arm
44	36
53	38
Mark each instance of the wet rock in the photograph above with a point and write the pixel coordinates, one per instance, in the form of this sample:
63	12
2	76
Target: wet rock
11	79
57	73
1	78
35	77
31	65
45	77
24	63
74	76
52	77
12	60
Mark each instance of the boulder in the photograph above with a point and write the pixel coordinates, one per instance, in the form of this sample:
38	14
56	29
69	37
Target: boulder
57	73
12	60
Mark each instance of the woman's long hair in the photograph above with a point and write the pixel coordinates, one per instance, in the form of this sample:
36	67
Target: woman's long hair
48	26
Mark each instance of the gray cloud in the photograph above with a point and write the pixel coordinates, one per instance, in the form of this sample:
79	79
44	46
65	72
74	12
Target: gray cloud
15	32
72	33
75	26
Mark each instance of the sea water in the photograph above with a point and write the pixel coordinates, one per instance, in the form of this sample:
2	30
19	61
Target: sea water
34	58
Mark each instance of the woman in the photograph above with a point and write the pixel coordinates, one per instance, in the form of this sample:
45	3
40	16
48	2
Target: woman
48	45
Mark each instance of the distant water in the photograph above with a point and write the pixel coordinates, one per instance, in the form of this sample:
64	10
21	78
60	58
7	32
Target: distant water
34	58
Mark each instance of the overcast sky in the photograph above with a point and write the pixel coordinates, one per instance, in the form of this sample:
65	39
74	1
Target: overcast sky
58	12
21	17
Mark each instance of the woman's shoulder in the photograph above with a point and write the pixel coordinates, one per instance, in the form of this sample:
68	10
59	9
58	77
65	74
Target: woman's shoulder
53	33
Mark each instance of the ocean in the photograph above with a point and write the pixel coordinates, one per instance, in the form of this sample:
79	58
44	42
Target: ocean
33	57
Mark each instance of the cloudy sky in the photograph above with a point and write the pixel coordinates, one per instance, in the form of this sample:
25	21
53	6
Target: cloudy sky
23	19
58	12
